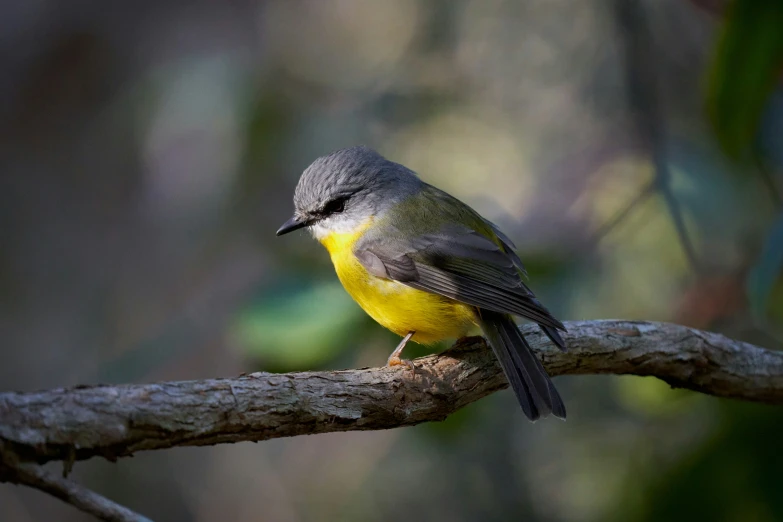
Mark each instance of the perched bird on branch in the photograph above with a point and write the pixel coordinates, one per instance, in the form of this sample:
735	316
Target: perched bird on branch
424	264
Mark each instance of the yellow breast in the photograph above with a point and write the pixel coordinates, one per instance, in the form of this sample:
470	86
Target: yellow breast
399	308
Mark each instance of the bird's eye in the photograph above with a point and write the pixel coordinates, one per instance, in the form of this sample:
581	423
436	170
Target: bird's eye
335	206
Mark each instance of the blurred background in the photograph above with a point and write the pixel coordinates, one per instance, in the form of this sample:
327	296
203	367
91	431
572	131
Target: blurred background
632	150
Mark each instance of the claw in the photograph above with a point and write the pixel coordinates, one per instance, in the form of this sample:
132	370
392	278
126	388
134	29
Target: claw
394	358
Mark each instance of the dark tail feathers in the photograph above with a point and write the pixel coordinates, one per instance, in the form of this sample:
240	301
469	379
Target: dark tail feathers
534	390
554	336
550	332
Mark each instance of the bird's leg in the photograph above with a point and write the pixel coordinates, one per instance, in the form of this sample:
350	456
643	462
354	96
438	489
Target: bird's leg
394	358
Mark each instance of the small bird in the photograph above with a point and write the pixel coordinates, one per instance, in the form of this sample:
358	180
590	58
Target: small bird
424	264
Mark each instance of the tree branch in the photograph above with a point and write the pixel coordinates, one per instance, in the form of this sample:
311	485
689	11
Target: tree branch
115	421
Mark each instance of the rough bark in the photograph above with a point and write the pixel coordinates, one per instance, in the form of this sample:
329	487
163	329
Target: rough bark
116	421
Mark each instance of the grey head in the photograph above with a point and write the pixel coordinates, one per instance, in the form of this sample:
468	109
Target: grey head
341	190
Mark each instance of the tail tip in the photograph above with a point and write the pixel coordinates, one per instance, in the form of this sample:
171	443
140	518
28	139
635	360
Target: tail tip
555	337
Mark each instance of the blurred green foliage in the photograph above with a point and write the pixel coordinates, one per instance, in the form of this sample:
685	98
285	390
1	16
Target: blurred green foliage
747	66
733	476
298	325
652	397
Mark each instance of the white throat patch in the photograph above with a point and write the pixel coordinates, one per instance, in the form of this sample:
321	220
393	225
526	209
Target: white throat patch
336	224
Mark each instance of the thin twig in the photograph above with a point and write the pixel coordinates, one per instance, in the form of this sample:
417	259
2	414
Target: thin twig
618	218
35	476
648	112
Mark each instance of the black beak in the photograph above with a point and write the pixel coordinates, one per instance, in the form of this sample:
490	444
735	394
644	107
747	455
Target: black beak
292	224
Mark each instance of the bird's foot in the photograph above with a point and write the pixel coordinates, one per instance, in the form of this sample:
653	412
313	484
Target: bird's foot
395	360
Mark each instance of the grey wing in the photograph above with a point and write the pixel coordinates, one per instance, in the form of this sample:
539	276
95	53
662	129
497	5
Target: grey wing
508	246
458	263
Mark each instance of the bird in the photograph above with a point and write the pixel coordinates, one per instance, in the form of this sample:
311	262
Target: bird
425	265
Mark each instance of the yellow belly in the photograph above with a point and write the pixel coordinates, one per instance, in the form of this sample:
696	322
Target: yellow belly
399	308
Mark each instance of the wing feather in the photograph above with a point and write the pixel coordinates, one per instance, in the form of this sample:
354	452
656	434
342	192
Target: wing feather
458	263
